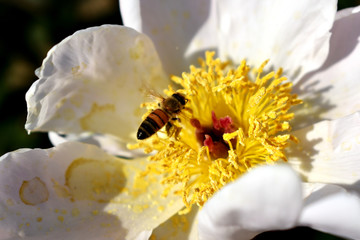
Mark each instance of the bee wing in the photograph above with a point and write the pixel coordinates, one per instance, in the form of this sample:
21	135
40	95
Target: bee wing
154	95
149	92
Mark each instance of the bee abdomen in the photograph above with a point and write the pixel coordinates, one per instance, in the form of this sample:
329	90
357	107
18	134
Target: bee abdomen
152	123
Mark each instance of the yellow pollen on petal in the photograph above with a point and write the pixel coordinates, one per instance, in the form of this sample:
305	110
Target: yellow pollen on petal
236	118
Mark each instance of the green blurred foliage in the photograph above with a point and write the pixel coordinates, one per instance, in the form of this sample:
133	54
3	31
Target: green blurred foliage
30	29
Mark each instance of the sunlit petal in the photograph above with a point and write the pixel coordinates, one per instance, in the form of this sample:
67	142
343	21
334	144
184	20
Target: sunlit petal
328	151
91	81
293	35
76	190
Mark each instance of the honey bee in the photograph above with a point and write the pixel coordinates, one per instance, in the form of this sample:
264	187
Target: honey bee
167	111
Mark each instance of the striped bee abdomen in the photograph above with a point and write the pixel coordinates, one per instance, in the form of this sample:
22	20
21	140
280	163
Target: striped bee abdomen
152	123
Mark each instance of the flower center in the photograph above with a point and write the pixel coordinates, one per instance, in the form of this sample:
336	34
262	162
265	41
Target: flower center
235	119
212	137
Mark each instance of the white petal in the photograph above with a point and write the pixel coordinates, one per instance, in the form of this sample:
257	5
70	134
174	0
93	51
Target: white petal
333	90
145	235
180	30
267	198
293	35
333	210
91	82
108	143
309	188
76	191
179	227
328	151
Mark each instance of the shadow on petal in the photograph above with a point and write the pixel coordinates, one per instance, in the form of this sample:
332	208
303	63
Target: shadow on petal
314	105
302	153
315	87
339	50
353	187
173	37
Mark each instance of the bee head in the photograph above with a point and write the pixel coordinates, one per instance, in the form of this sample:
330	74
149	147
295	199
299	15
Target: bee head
180	97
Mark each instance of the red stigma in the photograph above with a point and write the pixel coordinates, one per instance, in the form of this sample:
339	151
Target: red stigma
212	137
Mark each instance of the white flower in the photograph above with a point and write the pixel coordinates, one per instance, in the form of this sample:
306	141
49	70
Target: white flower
91	82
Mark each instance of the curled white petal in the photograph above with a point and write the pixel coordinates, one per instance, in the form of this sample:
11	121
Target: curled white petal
108	143
334	210
266	198
92	82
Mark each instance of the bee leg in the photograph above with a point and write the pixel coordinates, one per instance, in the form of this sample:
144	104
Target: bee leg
177	133
189	110
173	130
169	129
175	119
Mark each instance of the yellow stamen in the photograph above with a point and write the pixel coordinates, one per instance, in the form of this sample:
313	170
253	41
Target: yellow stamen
258	107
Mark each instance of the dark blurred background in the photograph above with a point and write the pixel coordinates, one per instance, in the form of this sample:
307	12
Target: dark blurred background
30	29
